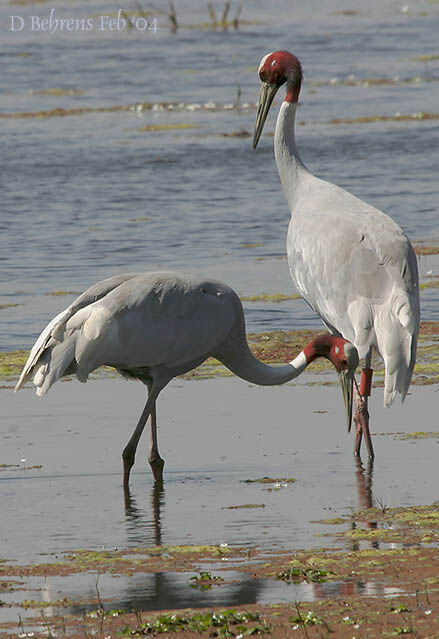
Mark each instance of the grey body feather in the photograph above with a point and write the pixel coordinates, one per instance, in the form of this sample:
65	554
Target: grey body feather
150	326
133	322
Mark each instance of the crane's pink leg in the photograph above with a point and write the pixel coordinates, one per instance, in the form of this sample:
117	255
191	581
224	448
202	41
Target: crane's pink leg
155	461
361	416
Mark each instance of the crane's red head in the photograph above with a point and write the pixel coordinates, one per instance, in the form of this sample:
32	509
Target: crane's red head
279	67
342	354
275	70
344	357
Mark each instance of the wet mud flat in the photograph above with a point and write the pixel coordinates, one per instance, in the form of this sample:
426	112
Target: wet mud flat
388	589
322	545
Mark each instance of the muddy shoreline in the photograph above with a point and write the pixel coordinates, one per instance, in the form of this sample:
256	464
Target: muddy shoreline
323	547
370	592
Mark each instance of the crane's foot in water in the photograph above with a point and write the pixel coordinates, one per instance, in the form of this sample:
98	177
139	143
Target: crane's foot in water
361	420
128	463
157	464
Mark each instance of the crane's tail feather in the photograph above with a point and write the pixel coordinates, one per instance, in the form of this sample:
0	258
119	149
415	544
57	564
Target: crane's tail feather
399	370
50	332
56	361
72	343
397	336
52	355
54	331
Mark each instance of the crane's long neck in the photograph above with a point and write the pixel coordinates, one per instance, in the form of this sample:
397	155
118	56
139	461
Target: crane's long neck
253	370
238	358
289	164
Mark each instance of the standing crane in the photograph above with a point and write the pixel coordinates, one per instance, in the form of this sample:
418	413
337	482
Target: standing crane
157	325
351	262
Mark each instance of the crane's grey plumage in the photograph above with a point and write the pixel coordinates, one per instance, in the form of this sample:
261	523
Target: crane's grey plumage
155	326
352	263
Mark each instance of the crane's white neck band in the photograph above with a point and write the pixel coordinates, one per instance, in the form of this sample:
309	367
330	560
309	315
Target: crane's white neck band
299	361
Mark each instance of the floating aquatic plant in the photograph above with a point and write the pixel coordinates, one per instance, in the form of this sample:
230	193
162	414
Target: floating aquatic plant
166	127
205	580
244	506
61	293
397	117
427	58
270	480
298	575
56	91
3	306
229	623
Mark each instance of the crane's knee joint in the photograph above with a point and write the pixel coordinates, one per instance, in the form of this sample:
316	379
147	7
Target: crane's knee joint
128	457
156	462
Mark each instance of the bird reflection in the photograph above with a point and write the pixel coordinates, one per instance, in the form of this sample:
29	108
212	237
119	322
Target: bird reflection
365	497
364	483
169	590
155	591
142	529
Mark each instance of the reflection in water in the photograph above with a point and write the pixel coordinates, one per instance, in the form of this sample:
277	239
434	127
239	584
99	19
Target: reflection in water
141	529
145	591
364	483
365	498
365	501
162	591
336	589
172	591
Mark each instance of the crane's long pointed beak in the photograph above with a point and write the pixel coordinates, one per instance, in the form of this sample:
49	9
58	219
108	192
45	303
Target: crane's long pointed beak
347	386
266	97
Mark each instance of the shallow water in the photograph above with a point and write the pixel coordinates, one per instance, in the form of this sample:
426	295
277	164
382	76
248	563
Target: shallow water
211	447
86	196
214	435
171	590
